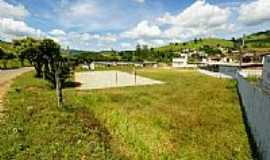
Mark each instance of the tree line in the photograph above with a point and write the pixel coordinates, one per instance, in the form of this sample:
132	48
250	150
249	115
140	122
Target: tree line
45	55
141	54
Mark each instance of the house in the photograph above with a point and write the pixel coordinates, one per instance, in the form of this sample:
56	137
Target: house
214	59
150	64
248	57
180	61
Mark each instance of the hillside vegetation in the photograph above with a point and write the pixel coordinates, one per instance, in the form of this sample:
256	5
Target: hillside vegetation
7	46
258	40
196	44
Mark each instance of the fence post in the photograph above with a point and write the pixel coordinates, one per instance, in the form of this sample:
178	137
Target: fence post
58	89
116	78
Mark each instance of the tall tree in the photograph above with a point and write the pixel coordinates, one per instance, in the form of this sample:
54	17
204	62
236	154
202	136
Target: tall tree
50	51
5	57
56	68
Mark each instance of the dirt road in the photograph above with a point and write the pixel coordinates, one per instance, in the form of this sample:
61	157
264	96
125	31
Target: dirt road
6	77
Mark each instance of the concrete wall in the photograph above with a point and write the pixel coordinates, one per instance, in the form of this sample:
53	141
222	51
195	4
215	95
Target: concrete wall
256	104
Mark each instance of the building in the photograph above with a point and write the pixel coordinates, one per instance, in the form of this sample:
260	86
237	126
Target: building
180	61
248	57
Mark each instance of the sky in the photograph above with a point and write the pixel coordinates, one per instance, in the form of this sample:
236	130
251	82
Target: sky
122	24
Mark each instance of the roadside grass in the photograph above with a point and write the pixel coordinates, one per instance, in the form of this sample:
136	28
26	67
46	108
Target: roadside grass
253	79
36	129
191	116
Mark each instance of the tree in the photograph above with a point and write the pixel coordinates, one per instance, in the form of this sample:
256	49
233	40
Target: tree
61	74
28	49
138	52
145	52
5	57
55	68
22	45
35	57
195	40
49	51
2	55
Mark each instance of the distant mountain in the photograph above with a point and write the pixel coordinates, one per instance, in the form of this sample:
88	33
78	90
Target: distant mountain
75	51
259	35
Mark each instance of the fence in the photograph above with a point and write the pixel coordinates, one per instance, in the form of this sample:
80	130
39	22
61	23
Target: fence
257	110
224	69
228	70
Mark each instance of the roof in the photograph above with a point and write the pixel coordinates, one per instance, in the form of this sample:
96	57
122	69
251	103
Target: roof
248	55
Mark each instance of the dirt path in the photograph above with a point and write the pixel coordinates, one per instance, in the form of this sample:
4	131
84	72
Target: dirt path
6	77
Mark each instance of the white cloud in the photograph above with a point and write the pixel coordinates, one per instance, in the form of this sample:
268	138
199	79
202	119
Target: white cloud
82	9
200	19
126	46
10	28
94	37
199	14
11	11
143	29
57	32
87	41
139	1
255	12
11	22
152	42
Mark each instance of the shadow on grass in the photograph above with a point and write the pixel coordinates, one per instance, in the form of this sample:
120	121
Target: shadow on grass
71	84
9	68
256	155
92	125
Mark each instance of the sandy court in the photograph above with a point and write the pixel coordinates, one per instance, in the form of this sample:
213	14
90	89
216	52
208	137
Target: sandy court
110	79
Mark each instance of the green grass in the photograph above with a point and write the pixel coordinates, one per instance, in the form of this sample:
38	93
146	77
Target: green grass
253	79
190	117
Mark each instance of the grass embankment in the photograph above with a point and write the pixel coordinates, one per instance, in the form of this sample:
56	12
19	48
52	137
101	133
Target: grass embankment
190	117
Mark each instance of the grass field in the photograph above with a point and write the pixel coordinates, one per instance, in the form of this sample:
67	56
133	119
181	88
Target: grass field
190	117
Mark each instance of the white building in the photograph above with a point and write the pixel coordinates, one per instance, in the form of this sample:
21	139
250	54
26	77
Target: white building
180	61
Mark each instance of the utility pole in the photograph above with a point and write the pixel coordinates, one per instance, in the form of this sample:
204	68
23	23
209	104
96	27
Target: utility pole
241	51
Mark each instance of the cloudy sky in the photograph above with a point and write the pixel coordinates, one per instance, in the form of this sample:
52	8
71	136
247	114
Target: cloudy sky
121	24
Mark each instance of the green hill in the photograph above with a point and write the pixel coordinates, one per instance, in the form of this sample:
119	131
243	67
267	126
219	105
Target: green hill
7	46
258	40
196	44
